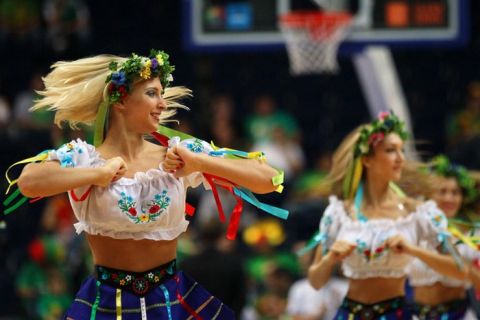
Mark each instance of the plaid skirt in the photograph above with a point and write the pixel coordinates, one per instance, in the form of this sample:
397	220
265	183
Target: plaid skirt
160	293
453	310
391	309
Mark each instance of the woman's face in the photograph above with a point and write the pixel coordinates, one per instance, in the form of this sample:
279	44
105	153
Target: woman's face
144	106
448	196
387	159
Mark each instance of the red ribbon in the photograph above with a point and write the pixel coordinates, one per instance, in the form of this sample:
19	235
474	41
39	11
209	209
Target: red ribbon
35	199
234	223
210	181
163	140
235	216
189	209
160	138
83	197
185	304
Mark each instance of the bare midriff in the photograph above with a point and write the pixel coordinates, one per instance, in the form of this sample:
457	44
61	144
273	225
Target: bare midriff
438	293
372	290
129	254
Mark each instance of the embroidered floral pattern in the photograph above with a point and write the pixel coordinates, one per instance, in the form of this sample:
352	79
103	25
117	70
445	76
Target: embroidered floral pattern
369	254
127	205
196	146
139	283
438	219
66	152
376	311
153	209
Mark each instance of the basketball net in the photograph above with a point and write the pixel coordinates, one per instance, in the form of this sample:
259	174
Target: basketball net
312	39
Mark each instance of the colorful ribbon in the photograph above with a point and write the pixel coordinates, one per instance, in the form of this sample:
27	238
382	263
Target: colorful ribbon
238	192
100	121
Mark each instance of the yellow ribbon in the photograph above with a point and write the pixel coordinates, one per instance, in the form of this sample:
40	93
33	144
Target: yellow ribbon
458	234
118	304
39	157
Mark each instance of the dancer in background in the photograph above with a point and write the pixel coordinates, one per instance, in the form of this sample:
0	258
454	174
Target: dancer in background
374	229
437	296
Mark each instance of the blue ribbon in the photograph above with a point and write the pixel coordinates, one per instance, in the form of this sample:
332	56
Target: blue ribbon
249	197
319	237
358	204
167	301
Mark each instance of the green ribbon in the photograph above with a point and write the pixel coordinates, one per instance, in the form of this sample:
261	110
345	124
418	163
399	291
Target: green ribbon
100	121
169	132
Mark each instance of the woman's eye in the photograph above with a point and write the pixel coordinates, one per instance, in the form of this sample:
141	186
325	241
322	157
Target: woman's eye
151	93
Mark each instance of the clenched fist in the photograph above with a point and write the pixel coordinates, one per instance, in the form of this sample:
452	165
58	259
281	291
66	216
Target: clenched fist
340	249
398	244
112	170
180	161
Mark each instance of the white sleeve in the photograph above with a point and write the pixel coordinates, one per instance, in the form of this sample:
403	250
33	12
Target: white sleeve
330	223
432	224
75	154
194	179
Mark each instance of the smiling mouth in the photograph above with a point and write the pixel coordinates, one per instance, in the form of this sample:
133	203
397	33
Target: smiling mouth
156	116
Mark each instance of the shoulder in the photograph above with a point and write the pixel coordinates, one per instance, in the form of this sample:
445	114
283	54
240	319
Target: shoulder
336	208
155	150
411	204
74	153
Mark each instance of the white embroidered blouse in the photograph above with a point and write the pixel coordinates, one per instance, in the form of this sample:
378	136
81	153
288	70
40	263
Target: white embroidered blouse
422	275
371	258
151	205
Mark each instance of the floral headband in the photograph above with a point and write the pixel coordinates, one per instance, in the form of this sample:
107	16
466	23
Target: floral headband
123	75
376	131
441	166
370	136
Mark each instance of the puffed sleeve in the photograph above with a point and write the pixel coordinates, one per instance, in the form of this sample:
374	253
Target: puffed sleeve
75	154
197	146
432	225
330	223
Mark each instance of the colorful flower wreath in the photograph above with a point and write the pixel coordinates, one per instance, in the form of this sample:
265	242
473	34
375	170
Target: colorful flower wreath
376	131
370	136
123	75
441	166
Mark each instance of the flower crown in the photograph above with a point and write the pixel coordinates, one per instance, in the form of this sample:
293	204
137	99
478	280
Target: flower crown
123	75
376	131
441	166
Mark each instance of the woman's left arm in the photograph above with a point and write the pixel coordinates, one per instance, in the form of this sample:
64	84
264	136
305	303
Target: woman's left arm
442	263
252	174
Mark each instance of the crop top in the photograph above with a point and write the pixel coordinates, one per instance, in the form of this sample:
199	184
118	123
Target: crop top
150	205
422	275
371	258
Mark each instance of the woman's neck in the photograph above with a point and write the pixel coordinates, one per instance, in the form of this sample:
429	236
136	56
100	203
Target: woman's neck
127	144
377	191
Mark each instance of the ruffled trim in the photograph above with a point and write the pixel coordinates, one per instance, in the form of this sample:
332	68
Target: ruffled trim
169	234
428	281
142	177
339	211
369	273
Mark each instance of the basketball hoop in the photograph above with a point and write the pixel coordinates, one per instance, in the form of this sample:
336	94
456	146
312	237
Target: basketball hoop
312	39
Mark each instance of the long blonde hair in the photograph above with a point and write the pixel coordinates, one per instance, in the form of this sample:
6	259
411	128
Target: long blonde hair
342	159
75	89
413	182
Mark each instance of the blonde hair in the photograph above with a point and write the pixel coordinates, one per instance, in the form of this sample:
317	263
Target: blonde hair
342	159
75	89
413	182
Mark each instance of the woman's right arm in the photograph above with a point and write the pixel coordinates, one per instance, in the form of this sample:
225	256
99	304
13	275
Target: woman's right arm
322	267
49	178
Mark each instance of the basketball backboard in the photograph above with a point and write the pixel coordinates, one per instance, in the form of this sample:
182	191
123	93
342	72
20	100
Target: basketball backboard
212	25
